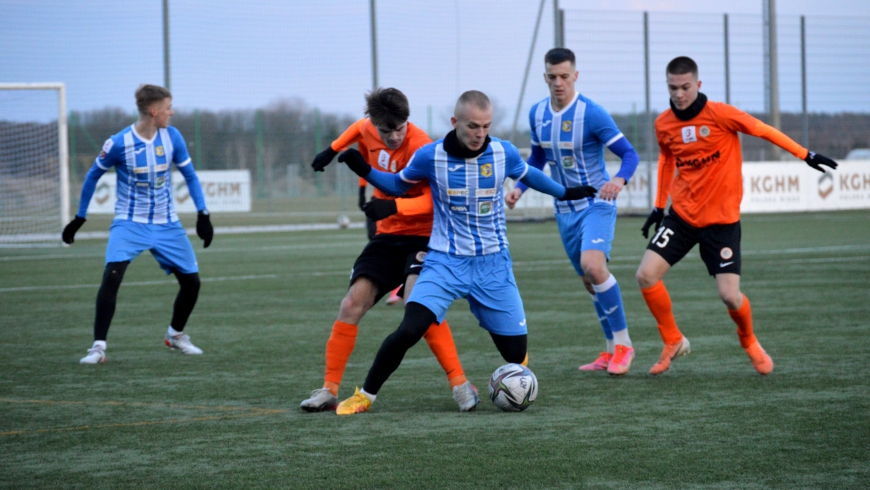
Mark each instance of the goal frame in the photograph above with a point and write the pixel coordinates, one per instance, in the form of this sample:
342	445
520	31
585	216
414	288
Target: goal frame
62	139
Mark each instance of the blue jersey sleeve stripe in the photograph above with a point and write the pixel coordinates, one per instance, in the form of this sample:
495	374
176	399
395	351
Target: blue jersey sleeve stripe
186	162
614	139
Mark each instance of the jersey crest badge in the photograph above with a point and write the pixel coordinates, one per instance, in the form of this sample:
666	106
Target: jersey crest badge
159	151
484	208
384	160
566	126
689	134
704	131
567	162
486	170
107	147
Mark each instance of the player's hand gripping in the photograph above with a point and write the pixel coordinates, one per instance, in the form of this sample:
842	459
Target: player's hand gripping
362	197
579	192
816	161
323	159
656	216
378	209
204	230
69	231
355	161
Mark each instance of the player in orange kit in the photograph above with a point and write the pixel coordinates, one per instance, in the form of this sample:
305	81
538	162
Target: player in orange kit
395	255
698	140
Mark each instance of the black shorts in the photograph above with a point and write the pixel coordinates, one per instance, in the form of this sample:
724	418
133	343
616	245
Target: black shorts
388	259
719	244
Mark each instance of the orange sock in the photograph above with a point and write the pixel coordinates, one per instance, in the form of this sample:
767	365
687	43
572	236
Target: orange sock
743	318
338	349
659	303
440	340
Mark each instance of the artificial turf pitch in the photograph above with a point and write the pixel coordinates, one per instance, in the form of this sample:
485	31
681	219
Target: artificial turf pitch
153	418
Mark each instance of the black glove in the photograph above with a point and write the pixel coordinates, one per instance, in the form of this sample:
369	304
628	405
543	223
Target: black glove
204	229
69	231
378	209
362	197
355	161
323	159
816	161
656	216
579	192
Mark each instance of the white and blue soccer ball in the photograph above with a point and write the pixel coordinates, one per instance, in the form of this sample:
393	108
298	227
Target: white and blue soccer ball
343	221
513	387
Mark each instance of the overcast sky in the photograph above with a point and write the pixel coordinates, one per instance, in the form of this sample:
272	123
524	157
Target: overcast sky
229	55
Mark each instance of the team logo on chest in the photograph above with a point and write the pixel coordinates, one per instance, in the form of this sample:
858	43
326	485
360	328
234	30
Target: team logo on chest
689	135
566	126
568	162
484	208
159	151
704	131
486	170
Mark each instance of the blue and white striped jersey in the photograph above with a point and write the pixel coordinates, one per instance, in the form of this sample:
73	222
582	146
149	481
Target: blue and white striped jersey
573	142
467	195
144	175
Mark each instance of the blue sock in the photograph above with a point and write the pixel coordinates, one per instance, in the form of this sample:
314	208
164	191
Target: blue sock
605	325
610	301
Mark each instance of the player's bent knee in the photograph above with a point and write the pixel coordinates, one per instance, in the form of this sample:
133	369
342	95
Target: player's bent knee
114	274
513	348
189	282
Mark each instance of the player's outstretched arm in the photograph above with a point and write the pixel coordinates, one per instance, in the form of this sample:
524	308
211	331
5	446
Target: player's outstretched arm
816	161
537	180
390	183
655	217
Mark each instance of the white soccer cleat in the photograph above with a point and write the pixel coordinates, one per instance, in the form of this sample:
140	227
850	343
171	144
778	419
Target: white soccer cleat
182	343
96	355
466	396
321	400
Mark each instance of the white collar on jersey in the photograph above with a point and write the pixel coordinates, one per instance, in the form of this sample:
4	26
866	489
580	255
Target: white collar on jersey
146	141
569	104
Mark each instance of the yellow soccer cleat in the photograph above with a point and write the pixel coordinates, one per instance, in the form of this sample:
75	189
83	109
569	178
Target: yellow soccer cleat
358	403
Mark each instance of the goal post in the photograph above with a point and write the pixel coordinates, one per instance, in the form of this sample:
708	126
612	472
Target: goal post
34	164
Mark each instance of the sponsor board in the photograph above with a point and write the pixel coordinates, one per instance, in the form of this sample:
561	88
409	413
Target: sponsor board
768	187
224	191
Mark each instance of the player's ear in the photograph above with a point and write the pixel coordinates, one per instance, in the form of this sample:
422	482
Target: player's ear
454	121
699	85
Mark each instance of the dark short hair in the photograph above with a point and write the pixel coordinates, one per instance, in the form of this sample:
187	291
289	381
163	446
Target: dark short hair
472	97
146	95
387	108
559	55
682	65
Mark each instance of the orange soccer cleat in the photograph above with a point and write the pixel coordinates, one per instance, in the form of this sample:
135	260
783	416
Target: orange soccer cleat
669	353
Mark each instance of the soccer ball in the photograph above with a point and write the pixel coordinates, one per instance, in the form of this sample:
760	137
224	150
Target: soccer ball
513	387
343	221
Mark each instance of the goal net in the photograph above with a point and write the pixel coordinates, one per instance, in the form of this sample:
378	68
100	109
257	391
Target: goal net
34	166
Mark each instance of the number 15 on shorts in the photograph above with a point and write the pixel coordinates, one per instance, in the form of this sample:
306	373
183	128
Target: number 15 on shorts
662	237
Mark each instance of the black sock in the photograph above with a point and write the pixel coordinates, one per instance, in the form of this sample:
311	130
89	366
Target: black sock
417	320
107	296
188	292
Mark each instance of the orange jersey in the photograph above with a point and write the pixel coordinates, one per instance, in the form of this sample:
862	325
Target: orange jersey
414	215
705	154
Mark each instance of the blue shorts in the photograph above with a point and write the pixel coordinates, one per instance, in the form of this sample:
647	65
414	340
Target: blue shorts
168	244
589	229
486	281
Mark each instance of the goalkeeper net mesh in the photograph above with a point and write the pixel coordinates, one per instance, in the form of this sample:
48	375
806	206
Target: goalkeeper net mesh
34	191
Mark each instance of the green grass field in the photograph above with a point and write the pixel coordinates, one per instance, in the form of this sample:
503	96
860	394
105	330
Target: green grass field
152	418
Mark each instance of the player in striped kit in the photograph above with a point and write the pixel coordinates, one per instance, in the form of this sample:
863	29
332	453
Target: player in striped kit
145	217
569	133
468	250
